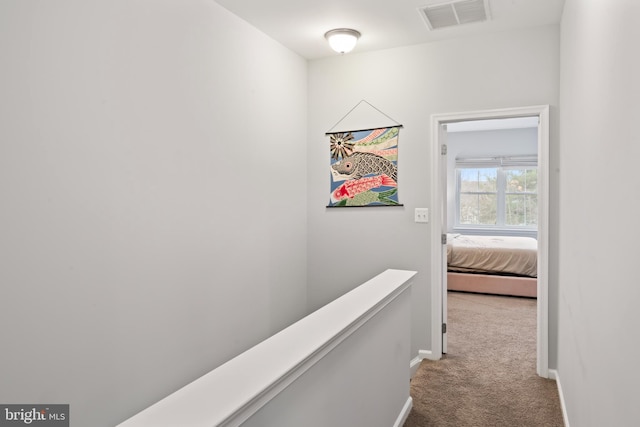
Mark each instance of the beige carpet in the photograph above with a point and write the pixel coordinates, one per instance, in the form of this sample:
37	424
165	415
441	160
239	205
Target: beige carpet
488	377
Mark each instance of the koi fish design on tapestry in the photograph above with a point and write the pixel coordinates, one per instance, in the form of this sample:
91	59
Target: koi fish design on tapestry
364	167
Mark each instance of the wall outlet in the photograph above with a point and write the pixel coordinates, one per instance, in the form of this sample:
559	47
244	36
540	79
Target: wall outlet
422	215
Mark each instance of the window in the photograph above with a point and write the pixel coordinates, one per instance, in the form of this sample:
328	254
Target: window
478	191
497	193
521	197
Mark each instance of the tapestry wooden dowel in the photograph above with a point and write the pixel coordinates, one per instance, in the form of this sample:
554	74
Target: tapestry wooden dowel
366	206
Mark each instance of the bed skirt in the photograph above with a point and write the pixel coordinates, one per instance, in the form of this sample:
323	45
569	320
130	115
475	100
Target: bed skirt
493	284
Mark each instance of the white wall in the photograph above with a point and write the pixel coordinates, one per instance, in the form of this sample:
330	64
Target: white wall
598	349
484	143
152	178
410	84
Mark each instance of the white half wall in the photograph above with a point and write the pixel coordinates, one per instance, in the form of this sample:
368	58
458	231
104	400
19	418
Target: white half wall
598	349
141	239
410	84
343	364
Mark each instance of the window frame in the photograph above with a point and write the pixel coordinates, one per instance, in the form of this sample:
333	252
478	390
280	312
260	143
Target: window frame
501	165
504	171
478	193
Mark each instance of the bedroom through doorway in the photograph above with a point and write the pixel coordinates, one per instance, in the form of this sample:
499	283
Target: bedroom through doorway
491	191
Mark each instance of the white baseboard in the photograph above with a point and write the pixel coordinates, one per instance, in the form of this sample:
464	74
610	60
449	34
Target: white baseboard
427	354
414	365
553	375
402	417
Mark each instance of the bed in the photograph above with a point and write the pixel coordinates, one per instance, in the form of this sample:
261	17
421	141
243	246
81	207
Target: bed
502	265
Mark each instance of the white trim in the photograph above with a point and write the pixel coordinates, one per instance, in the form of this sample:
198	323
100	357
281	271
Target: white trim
402	417
437	199
414	364
542	365
436	243
553	375
427	354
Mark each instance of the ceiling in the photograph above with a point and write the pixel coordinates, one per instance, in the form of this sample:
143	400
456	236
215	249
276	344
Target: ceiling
300	24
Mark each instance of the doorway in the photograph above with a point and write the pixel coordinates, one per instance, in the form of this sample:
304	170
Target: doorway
439	224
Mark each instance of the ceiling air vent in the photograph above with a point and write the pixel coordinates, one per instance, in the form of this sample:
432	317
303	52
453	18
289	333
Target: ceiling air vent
454	13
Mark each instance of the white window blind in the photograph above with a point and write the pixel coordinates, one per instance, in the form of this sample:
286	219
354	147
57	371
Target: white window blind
504	162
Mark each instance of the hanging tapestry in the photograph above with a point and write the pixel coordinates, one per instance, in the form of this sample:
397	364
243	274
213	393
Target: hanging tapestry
364	167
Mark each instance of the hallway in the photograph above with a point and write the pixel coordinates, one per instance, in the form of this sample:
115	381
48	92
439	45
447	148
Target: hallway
488	378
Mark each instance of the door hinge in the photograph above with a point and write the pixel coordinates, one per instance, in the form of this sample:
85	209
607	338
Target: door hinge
443	239
443	149
444	328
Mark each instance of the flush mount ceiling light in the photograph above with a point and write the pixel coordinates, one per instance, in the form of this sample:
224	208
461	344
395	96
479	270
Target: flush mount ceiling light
342	40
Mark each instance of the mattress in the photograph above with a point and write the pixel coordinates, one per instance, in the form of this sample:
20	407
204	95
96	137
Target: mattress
492	255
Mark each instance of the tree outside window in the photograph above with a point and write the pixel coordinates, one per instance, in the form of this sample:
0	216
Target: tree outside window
479	196
521	197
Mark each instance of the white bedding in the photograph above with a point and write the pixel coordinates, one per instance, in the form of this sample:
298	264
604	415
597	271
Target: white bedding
492	254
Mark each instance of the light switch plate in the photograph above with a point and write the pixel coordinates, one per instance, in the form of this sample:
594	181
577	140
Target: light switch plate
422	215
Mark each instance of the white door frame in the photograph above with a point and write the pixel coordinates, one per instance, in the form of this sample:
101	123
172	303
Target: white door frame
438	224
